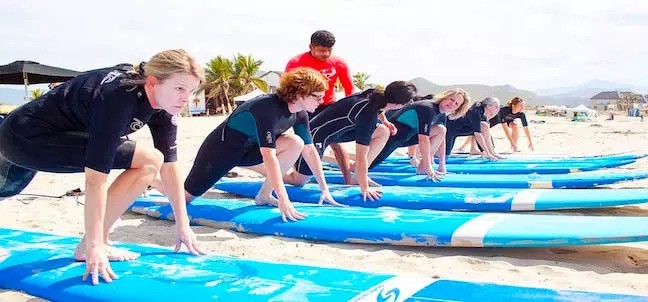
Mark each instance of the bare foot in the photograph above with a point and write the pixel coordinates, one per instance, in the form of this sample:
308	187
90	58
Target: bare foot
265	200
113	253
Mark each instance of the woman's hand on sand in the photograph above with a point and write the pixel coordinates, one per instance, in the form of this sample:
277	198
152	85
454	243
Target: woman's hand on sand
326	196
186	236
97	264
287	210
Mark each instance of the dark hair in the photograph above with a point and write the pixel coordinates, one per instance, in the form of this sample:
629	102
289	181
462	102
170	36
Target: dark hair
419	97
322	38
398	92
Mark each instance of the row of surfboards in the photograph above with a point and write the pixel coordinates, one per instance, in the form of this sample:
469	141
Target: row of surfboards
415	212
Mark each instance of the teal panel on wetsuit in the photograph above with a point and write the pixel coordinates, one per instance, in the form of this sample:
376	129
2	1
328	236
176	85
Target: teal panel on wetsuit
245	123
409	118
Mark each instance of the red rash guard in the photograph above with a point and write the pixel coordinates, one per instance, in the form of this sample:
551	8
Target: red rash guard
333	68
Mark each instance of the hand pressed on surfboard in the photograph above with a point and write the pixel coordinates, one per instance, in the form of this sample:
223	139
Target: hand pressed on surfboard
97	264
186	236
326	196
372	194
288	210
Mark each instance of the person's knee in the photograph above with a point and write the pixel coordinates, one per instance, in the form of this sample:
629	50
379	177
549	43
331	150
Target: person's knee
150	161
438	130
381	131
296	179
292	142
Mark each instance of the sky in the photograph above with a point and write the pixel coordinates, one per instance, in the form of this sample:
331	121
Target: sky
525	43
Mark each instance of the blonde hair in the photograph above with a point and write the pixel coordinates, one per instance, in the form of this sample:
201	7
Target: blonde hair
300	81
166	63
463	108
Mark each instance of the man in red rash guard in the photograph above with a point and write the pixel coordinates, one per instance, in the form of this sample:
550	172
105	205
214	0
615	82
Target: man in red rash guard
332	67
319	57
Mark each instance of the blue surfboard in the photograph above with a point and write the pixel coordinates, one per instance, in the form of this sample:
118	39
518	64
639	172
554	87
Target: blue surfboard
529	159
42	265
456	199
580	180
392	226
494	168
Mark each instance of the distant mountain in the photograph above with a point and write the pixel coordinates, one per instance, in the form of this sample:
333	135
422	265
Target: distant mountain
11	96
590	88
478	92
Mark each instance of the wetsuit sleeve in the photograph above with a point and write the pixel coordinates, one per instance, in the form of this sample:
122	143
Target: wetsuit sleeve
109	114
345	78
302	128
365	126
523	119
425	119
164	130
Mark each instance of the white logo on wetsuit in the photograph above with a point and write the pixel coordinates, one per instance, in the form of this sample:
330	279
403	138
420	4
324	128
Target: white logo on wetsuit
329	73
174	120
136	124
425	128
111	76
269	137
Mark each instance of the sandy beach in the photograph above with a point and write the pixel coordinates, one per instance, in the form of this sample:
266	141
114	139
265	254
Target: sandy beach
609	268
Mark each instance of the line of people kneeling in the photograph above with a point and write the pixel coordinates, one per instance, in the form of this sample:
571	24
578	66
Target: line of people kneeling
80	125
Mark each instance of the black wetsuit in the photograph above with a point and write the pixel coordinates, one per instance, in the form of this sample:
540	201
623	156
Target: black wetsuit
237	141
465	125
507	116
411	120
353	118
78	124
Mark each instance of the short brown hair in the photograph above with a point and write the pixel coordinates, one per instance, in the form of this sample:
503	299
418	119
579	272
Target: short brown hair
516	100
300	81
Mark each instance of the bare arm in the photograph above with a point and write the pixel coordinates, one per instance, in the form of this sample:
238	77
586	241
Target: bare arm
315	164
273	170
507	132
362	166
95	208
342	158
528	135
172	182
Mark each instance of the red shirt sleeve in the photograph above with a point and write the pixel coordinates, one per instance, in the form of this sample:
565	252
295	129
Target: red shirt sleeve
345	77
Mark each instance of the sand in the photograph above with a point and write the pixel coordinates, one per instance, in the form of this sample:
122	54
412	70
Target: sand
609	268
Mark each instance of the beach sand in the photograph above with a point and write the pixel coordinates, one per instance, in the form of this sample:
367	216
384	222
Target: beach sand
609	268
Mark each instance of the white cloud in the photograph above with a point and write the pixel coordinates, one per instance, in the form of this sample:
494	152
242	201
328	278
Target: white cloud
528	44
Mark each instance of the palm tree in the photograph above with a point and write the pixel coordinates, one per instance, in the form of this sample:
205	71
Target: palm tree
218	77
227	78
245	70
360	80
36	93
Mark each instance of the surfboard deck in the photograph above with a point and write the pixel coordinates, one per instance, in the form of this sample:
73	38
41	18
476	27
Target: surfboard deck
580	180
456	199
529	158
41	264
391	226
521	168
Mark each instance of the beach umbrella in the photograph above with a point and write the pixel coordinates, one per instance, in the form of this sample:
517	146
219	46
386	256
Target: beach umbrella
29	72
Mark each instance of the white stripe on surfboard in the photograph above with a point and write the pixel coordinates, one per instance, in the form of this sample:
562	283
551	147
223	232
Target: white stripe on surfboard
525	200
472	233
397	288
